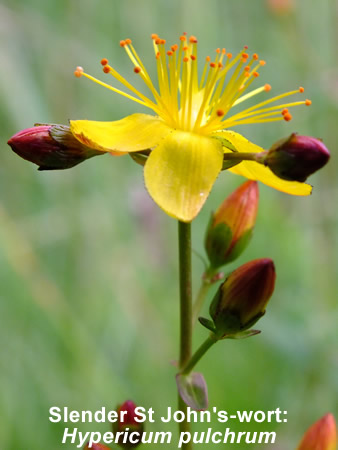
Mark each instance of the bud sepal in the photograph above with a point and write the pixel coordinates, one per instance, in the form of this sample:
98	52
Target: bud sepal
241	300
230	228
296	157
51	147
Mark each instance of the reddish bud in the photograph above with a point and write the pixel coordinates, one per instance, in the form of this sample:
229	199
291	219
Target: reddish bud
321	435
241	300
96	447
230	228
50	147
128	425
297	157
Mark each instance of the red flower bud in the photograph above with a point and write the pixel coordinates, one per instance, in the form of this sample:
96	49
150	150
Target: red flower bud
230	228
297	157
50	147
128	425
96	447
321	435
241	300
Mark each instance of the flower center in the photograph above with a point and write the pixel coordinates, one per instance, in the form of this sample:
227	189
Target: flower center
201	105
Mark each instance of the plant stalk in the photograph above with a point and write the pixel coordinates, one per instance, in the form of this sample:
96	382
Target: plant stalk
184	246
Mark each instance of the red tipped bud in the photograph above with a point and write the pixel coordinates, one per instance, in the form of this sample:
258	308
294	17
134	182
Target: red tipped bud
321	435
96	447
297	157
230	228
127	424
241	300
50	147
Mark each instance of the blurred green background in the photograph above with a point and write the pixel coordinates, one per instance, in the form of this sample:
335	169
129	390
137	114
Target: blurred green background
88	282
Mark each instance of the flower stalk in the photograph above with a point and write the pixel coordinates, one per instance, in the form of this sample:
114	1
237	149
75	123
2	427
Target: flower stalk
184	247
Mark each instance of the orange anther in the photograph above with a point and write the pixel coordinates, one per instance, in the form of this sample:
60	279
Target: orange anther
229	55
193	39
218	50
78	71
207	58
301	89
154	36
193	57
223	51
128	41
246	47
170	53
287	117
158	55
185	49
104	61
163	41
308	102
247	68
122	43
220	112
267	87
183	38
244	60
213	65
262	62
184	33
245	55
255	56
137	69
220	65
185	59
246	74
106	69
285	111
174	47
157	41
255	74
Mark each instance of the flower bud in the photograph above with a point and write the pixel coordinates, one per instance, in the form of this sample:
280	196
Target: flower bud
297	157
50	147
96	447
128	425
321	435
241	300
230	228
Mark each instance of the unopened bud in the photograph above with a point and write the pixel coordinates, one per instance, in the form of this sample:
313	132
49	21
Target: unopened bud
230	228
321	435
50	147
241	300
96	447
131	429
297	157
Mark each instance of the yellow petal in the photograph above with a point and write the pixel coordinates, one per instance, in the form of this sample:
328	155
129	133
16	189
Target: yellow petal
256	171
181	171
131	134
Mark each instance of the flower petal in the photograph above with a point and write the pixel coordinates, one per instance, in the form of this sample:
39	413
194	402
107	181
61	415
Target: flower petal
181	171
256	171
131	134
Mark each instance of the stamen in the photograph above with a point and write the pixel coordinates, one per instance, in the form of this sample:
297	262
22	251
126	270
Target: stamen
220	112
104	61
287	117
78	72
301	89
267	87
137	69
308	102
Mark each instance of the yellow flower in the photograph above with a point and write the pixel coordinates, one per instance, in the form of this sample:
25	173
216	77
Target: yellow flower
189	133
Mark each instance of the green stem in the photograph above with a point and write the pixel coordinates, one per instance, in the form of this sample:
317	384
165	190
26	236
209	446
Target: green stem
202	293
258	157
209	342
184	243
